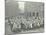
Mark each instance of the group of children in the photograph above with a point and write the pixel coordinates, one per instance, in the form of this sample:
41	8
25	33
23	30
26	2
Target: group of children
20	23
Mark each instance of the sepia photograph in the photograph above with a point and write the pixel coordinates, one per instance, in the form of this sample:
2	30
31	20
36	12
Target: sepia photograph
22	17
